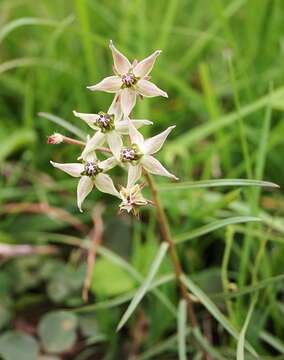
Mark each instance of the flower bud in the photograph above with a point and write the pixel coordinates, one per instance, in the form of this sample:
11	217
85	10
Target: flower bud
56	138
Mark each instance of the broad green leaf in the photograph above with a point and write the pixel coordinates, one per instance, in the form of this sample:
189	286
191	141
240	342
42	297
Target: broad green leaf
109	279
182	320
145	285
215	183
213	226
15	345
57	331
215	312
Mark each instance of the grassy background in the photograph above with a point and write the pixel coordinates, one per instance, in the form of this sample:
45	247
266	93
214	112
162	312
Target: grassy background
222	66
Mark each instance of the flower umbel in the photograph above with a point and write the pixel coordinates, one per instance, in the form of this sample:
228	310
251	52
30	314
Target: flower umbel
115	129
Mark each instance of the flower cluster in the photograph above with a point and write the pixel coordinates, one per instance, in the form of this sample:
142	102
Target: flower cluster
115	128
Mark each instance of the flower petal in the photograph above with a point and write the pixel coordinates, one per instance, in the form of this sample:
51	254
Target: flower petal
89	119
128	101
148	89
155	167
154	144
109	84
84	188
122	126
92	144
115	108
114	142
73	169
134	174
105	184
144	67
135	136
108	164
121	63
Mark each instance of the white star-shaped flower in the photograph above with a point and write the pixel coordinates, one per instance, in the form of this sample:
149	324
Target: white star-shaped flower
139	154
91	173
130	80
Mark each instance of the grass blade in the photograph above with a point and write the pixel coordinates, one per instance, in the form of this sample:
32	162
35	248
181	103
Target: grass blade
182	330
16	140
65	124
211	349
273	341
201	132
241	341
144	286
215	312
12	25
213	226
216	183
249	289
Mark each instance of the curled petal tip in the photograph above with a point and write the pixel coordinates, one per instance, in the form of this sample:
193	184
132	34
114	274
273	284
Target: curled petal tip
52	163
164	94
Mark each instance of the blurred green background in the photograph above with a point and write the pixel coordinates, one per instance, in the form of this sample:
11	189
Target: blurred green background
222	66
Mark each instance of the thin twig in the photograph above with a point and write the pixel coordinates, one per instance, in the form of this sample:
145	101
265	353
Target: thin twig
68	140
164	227
96	238
9	250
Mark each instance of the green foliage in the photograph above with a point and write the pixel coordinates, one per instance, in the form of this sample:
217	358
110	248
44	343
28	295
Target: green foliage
109	279
16	345
222	65
57	331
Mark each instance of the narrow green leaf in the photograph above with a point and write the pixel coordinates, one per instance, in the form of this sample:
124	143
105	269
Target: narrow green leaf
213	226
215	312
65	124
14	24
16	140
201	132
211	350
182	330
215	183
241	341
144	286
249	289
121	299
273	341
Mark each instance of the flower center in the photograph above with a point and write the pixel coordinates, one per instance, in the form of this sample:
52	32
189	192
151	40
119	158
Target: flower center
105	122
129	79
91	169
130	153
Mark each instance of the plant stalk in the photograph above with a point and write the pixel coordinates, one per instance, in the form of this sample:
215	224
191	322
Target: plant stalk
165	230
